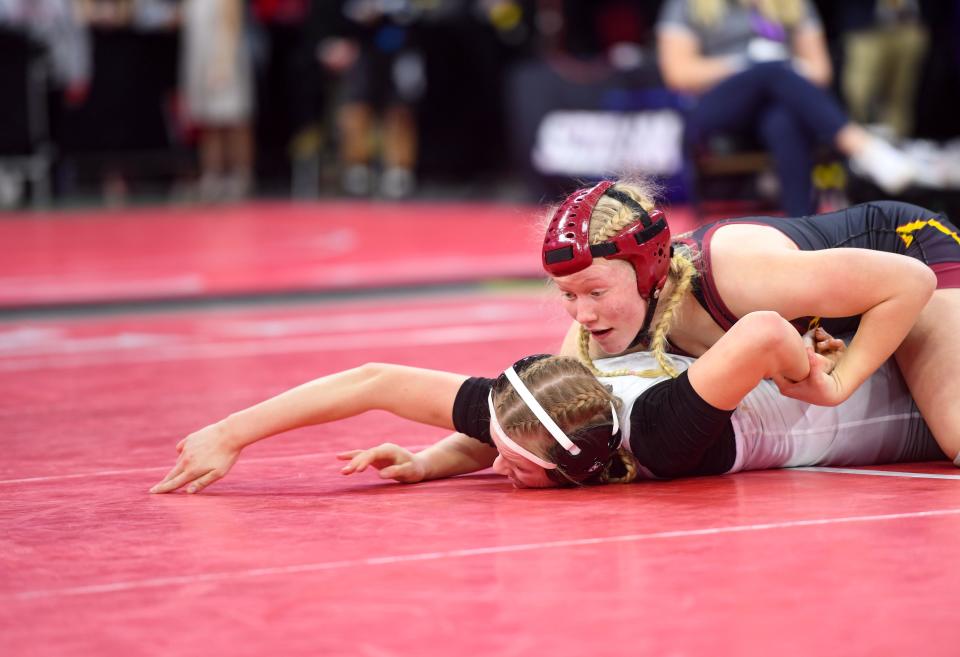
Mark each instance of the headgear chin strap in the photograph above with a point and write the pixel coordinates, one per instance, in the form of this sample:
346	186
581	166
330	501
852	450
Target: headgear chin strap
645	244
580	460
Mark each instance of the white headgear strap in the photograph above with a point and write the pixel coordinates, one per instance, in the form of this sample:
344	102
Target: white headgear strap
544	419
505	439
537	410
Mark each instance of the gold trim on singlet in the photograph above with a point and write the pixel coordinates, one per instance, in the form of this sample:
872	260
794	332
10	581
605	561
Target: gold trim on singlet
905	230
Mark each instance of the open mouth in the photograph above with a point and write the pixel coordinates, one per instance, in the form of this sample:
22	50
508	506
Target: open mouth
601	332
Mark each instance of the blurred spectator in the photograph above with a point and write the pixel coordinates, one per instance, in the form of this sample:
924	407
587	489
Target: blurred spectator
151	15
589	100
121	132
466	47
45	67
54	24
884	46
604	29
218	93
760	68
107	13
579	107
106	17
156	14
376	50
289	92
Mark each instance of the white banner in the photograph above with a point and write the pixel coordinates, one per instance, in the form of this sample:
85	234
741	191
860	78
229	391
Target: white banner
595	143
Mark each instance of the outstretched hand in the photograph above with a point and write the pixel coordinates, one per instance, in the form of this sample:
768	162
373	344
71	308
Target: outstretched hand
393	462
204	457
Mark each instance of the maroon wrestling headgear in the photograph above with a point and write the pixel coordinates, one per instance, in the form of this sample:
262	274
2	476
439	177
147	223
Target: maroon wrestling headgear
644	244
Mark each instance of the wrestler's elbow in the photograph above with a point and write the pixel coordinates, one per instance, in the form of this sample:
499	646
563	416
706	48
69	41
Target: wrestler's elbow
927	279
774	340
768	328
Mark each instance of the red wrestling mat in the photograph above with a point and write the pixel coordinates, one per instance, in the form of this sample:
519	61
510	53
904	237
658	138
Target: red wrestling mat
287	557
260	248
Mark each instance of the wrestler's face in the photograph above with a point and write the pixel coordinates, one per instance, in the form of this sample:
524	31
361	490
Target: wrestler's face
603	298
522	472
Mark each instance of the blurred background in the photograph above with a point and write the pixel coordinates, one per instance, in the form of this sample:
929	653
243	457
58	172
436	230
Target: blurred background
129	102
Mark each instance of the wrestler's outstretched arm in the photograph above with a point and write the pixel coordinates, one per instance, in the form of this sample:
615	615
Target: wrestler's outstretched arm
420	395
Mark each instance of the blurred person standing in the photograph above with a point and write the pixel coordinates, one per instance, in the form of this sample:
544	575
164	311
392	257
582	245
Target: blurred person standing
32	121
108	22
884	46
54	24
217	84
375	48
290	98
122	132
156	15
761	68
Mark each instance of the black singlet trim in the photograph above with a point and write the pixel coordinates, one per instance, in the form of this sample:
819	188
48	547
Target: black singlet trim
470	413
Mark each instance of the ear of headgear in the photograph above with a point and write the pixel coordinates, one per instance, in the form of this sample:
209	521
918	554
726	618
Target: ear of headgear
645	243
584	453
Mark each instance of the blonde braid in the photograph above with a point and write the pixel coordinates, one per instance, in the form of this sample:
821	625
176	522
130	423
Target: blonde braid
584	349
572	396
584	403
564	411
529	423
683	271
574	399
610	217
630	465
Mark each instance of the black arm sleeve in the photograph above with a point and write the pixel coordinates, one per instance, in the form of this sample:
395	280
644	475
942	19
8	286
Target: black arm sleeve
675	433
471	416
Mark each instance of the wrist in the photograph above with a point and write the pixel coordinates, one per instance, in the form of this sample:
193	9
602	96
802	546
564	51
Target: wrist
230	433
423	463
840	391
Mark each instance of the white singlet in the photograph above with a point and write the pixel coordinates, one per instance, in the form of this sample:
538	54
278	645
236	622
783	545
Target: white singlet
879	423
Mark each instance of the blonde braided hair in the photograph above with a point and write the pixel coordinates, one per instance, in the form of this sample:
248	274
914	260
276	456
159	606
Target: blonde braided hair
609	218
569	394
627	462
572	396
